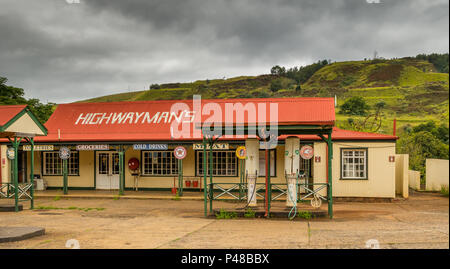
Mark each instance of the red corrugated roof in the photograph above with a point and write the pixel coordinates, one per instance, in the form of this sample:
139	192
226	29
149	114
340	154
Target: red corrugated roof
340	134
129	121
7	113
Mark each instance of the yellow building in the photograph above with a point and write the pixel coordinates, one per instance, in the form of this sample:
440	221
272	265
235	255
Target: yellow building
363	164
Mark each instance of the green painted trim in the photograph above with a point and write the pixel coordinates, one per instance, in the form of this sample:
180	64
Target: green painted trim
367	163
24	111
162	189
196	161
72	188
13	119
95	169
59	175
150	176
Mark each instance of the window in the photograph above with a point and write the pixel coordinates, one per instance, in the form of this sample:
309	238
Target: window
224	163
159	163
53	165
354	163
262	163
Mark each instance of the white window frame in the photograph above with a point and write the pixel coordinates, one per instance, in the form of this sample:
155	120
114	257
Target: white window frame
355	160
227	171
169	163
73	164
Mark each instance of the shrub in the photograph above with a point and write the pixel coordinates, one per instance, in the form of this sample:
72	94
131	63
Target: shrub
249	213
444	191
226	215
355	106
304	215
276	85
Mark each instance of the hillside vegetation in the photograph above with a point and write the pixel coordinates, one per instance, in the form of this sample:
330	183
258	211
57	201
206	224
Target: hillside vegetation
412	88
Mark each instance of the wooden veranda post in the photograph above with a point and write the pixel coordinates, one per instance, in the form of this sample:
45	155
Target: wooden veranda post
16	144
65	179
31	141
330	176
121	170
180	177
211	143
205	186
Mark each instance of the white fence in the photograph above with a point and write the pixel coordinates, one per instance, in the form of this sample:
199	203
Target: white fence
436	174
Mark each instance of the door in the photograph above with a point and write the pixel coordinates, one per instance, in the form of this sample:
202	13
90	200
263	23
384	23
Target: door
107	170
22	167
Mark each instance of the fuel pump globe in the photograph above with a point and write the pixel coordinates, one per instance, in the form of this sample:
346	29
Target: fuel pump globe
133	164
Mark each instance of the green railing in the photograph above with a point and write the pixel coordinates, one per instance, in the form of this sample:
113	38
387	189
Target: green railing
7	191
239	191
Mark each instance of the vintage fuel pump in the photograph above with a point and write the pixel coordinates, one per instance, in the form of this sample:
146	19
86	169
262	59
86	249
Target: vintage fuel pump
291	168
252	167
133	167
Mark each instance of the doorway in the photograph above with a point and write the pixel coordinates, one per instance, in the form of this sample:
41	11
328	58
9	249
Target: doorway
107	175
22	167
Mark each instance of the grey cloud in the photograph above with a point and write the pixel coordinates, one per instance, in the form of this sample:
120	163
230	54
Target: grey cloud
61	52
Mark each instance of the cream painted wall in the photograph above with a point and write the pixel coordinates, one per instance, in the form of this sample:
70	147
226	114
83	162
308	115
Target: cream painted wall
85	179
381	172
189	171
436	174
414	179
402	175
25	124
320	168
380	183
4	165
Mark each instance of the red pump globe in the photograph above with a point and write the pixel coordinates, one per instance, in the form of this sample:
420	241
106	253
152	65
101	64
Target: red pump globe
133	164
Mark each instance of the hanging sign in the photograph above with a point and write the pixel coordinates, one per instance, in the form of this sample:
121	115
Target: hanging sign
150	146
11	153
215	146
92	147
241	152
180	152
307	152
64	153
38	148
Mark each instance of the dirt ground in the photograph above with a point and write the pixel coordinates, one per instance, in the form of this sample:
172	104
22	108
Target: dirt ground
422	221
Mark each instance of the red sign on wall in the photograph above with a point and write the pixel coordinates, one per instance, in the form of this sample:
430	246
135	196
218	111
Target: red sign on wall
391	159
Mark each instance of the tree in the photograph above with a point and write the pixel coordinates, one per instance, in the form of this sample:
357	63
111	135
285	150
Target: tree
355	106
278	70
10	95
276	85
420	146
155	87
441	132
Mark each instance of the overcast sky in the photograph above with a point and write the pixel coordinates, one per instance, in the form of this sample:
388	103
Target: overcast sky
61	52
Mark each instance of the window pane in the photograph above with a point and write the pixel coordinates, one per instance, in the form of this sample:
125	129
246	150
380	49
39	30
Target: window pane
354	163
159	163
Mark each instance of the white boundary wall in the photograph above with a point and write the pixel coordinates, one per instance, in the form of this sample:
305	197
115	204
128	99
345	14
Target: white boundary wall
436	174
414	179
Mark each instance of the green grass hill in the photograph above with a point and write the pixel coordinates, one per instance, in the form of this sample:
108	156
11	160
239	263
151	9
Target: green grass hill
413	89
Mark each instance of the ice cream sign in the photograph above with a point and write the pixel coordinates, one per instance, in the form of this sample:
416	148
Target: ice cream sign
112	118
